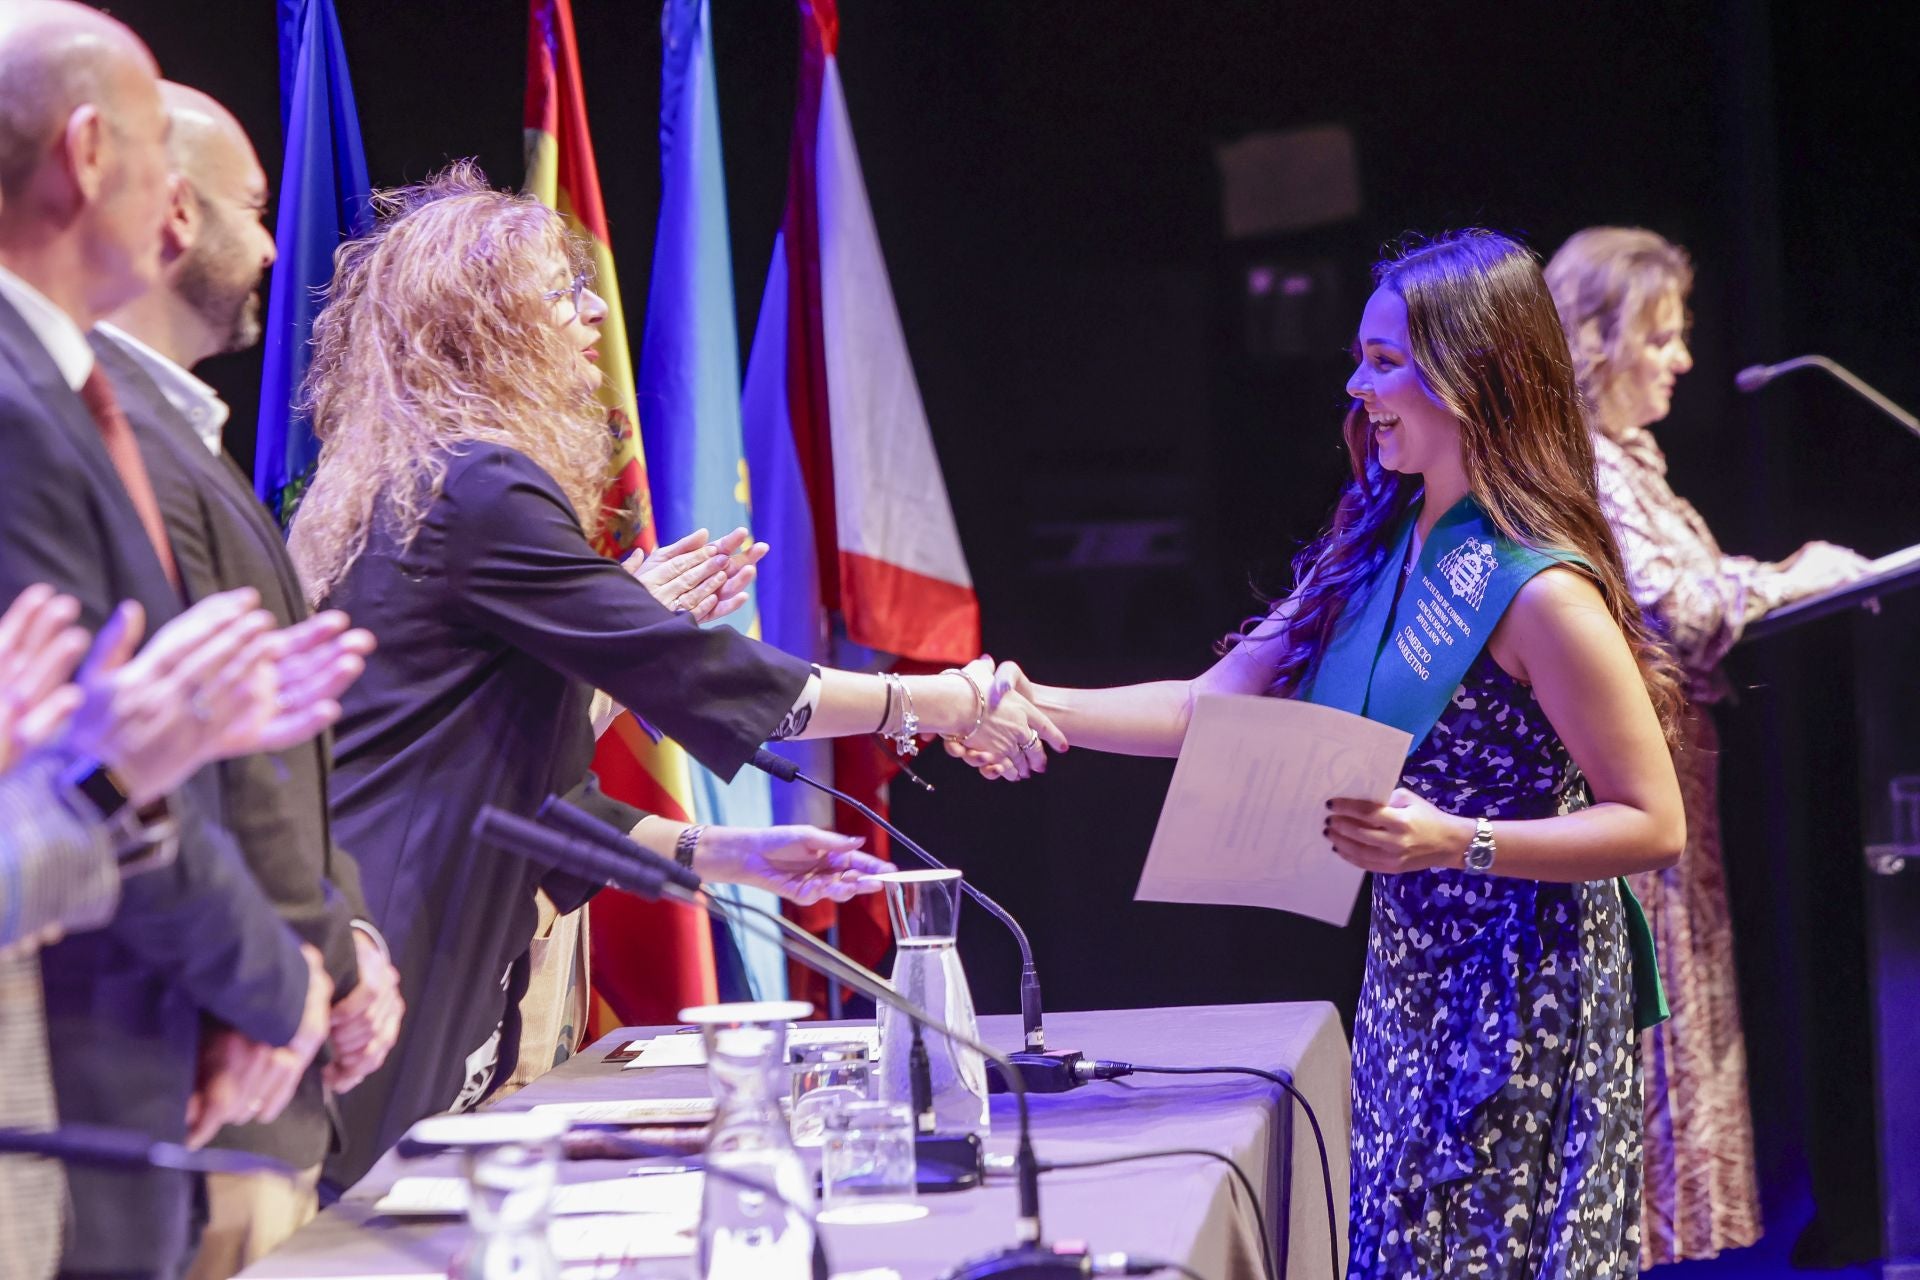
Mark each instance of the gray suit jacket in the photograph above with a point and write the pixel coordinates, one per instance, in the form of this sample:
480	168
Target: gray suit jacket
55	869
275	805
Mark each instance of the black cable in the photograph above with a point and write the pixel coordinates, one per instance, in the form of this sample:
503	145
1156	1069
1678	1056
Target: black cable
1246	1184
1319	1139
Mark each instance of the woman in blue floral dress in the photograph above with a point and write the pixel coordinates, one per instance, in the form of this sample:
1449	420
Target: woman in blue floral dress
1469	592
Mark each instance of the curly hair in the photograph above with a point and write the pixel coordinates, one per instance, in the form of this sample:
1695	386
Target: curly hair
1486	341
435	335
1606	282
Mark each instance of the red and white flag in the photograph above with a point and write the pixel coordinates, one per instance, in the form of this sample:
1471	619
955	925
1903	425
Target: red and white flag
846	484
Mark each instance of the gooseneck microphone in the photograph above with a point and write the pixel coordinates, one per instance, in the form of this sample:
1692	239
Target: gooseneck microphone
1756	376
1042	1072
100	1146
643	872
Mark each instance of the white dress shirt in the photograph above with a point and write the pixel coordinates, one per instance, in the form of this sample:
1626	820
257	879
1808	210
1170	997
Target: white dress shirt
55	328
197	402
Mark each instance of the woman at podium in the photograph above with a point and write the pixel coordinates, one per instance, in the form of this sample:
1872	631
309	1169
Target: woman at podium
1622	297
1469	593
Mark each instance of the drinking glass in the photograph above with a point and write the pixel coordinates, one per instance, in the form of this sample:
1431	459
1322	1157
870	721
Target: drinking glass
826	1075
867	1165
511	1162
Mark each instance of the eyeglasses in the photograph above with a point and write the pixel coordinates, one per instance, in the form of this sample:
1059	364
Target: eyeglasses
578	289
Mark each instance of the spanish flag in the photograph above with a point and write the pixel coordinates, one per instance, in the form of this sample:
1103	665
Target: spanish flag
649	959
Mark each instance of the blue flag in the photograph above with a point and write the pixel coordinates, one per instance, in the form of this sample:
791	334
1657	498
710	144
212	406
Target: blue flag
323	200
689	392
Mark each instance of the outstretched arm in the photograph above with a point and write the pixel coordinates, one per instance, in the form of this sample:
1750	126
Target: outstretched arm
1147	719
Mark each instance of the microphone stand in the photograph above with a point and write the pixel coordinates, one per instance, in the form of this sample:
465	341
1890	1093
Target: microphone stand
650	876
1754	377
1040	1071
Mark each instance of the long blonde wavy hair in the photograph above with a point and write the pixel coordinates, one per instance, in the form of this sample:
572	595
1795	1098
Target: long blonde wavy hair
436	335
1606	282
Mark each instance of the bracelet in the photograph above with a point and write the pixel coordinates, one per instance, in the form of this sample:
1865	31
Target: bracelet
979	707
685	843
905	739
886	682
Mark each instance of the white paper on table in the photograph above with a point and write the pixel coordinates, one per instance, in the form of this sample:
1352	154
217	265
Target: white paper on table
674	1197
620	1238
1242	822
688	1050
655	1111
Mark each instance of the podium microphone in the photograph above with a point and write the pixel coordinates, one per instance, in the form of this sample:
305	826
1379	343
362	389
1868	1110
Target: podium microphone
643	872
1041	1071
1756	376
98	1145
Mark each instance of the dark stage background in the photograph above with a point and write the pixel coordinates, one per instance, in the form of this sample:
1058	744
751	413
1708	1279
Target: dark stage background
1044	183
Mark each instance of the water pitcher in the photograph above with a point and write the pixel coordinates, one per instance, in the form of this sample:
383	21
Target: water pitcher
925	907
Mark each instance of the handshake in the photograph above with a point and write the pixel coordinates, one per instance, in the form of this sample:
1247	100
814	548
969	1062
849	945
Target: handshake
1011	733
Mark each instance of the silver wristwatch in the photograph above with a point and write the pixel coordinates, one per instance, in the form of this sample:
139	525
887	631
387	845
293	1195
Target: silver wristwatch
1480	848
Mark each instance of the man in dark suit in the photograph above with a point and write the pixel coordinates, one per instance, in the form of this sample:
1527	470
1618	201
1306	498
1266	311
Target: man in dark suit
66	844
83	186
215	252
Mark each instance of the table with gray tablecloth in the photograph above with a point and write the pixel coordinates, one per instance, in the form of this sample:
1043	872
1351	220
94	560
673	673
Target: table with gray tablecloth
1184	1208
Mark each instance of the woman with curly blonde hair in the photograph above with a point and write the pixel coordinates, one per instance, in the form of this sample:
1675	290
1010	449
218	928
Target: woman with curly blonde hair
463	459
1622	297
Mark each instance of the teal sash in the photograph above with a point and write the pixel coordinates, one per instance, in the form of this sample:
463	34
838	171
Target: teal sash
1399	661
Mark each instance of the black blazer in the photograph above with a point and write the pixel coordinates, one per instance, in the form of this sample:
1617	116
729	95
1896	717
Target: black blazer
275	805
124	1004
496	622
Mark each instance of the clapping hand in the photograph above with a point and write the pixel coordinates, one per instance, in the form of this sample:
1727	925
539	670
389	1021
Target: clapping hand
156	716
306	667
39	648
1013	738
707	580
215	682
802	864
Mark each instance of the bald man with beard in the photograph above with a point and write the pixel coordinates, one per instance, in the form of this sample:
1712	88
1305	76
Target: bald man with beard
215	252
84	182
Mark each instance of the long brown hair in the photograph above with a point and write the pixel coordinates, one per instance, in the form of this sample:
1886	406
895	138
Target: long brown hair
1487	342
435	335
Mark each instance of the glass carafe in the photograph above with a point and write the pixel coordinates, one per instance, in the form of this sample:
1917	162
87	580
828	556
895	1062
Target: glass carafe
511	1163
925	908
757	1198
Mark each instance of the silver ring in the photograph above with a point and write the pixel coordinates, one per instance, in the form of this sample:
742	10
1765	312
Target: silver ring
1032	742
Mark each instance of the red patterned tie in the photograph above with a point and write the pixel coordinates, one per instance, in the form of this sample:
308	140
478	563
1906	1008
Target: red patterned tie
117	434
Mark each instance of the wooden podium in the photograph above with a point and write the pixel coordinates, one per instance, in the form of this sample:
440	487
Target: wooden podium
1878	619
